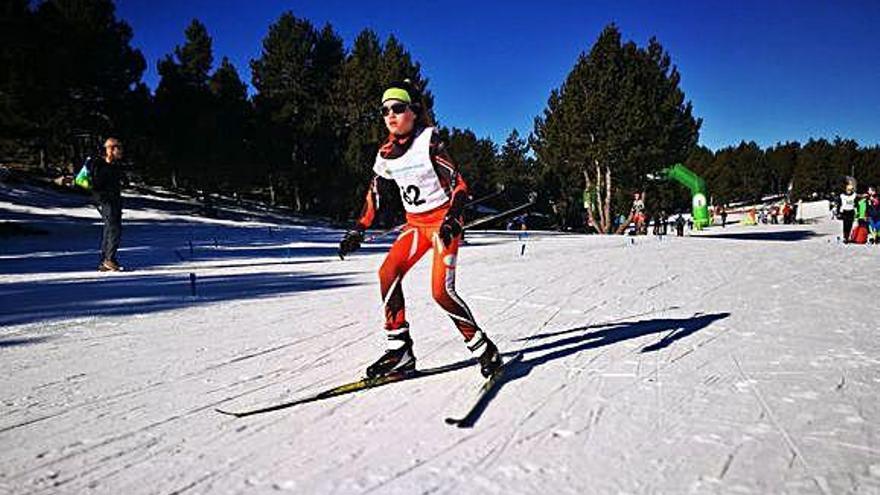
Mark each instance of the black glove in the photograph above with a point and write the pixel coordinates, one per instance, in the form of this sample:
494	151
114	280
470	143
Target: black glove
450	229
351	242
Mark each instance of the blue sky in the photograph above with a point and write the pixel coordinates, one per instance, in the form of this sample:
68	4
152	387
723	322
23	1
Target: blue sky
765	71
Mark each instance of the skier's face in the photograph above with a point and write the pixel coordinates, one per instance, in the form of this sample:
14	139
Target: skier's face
399	117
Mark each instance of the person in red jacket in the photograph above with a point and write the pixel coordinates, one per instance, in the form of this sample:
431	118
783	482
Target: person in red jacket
433	193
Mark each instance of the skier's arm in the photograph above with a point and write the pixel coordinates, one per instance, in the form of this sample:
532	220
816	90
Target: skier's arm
450	177
371	206
354	237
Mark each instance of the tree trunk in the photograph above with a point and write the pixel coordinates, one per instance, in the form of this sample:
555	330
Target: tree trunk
297	199
271	190
599	201
608	223
591	214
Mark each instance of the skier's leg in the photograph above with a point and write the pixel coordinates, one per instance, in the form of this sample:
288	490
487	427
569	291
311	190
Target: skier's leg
847	224
443	289
409	247
114	230
443	286
404	253
106	210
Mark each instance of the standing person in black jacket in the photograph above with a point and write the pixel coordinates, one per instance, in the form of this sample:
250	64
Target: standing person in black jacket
106	175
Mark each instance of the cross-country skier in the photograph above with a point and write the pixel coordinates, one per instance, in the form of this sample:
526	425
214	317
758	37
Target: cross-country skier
434	194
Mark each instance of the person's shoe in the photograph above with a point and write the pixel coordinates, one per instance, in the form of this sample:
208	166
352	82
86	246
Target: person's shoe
398	356
110	266
486	353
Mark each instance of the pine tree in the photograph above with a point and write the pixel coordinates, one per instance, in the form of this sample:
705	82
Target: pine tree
781	162
618	117
71	70
515	170
18	78
475	157
739	174
183	108
811	172
325	148
231	166
293	79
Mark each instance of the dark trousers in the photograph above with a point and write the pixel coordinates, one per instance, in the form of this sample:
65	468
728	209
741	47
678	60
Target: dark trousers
847	217
111	213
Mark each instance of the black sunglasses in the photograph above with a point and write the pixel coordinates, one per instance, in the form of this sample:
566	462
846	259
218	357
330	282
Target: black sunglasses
397	108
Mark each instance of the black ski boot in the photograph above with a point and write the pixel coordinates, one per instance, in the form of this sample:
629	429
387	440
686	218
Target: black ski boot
398	357
486	353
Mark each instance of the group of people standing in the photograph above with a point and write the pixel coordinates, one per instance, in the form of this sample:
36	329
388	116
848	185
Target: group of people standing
860	214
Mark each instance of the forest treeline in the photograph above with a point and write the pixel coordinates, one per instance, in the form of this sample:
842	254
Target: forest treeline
306	133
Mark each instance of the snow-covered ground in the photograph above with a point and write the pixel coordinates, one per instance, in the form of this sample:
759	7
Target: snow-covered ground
742	360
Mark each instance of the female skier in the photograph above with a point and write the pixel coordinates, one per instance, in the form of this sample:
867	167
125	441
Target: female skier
433	193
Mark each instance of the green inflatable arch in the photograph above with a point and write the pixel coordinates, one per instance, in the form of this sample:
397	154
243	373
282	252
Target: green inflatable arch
697	185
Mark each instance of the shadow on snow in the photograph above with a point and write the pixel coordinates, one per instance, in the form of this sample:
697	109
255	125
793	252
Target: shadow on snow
127	294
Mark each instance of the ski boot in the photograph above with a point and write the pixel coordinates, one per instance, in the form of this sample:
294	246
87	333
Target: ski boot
398	355
486	353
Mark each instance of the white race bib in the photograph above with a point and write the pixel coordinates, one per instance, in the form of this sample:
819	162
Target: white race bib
420	188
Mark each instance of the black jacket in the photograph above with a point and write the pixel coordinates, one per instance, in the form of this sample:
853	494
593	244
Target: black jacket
106	178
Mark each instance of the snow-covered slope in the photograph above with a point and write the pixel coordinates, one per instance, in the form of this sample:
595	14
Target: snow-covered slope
743	360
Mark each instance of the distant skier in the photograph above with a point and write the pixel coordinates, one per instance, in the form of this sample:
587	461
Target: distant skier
434	194
105	178
847	209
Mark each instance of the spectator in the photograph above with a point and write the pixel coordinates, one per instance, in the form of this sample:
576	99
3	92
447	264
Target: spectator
106	175
638	213
847	209
679	226
874	215
774	214
786	213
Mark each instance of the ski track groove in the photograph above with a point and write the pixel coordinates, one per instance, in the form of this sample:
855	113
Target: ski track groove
792	446
419	463
142	429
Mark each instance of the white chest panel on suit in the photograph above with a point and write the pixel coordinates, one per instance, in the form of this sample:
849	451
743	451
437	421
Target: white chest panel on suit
420	188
